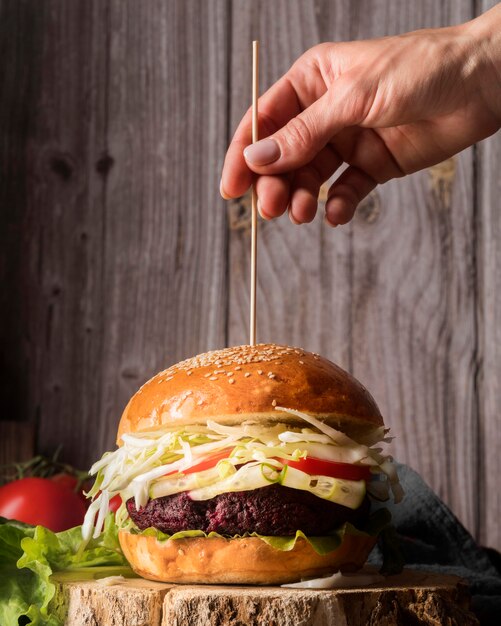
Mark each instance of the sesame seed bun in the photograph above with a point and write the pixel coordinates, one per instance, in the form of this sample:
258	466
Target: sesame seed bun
230	386
248	382
245	561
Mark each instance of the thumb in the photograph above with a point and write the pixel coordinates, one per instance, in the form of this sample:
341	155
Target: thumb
301	139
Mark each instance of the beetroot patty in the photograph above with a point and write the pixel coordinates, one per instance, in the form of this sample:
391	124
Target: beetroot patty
273	510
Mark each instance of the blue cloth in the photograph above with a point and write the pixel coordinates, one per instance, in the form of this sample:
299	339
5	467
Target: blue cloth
433	539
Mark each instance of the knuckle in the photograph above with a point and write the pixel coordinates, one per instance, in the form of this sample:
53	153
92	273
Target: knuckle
298	133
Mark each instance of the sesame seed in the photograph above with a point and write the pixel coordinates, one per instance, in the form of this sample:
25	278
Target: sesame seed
189	393
238	368
169	377
302	362
207	375
271	375
200	402
247	374
231	380
189	373
236	356
274	403
213	378
260	372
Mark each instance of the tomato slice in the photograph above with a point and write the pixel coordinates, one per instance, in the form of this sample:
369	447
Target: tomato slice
115	503
207	463
309	465
319	467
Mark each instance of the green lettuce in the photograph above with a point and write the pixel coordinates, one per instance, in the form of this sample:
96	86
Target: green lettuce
31	557
322	545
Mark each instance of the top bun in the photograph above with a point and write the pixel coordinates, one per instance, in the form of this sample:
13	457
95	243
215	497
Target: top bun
248	382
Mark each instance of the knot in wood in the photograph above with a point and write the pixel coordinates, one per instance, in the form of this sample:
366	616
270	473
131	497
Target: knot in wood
442	177
239	213
130	372
62	165
104	164
369	208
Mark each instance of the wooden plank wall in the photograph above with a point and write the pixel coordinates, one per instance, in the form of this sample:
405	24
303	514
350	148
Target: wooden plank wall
120	236
392	296
488	228
118	256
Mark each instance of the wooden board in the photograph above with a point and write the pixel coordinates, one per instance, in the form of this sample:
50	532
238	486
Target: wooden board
399	601
488	233
17	443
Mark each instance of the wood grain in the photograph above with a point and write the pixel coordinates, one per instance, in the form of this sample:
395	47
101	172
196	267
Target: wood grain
122	263
489	319
413	306
399	600
300	300
17	444
19	88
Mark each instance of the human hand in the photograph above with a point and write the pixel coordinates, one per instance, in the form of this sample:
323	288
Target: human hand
386	107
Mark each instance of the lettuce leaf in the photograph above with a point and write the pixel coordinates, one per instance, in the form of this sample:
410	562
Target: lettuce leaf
322	545
31	555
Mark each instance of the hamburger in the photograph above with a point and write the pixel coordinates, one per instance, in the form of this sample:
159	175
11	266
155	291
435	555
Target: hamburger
248	465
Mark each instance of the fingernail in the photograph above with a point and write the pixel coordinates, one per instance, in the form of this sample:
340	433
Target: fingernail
293	219
329	223
332	211
222	191
263	152
260	210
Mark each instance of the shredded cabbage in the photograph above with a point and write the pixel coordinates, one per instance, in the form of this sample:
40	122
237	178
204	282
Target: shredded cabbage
382	462
150	464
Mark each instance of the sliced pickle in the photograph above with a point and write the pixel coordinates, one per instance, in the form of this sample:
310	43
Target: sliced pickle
349	493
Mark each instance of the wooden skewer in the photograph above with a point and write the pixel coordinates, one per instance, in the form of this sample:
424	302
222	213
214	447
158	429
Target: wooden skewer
255	137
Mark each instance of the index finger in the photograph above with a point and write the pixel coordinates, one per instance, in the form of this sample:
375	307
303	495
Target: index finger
276	107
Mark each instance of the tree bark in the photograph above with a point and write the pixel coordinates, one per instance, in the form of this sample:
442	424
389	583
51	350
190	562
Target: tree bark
410	598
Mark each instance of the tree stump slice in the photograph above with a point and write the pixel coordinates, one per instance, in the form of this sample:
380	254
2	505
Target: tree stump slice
412	597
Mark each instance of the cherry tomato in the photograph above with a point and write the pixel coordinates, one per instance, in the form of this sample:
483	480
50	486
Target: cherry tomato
41	501
319	467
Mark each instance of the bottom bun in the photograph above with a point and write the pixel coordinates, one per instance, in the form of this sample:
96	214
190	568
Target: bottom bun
249	561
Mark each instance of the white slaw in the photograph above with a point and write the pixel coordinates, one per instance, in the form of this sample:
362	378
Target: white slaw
139	466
